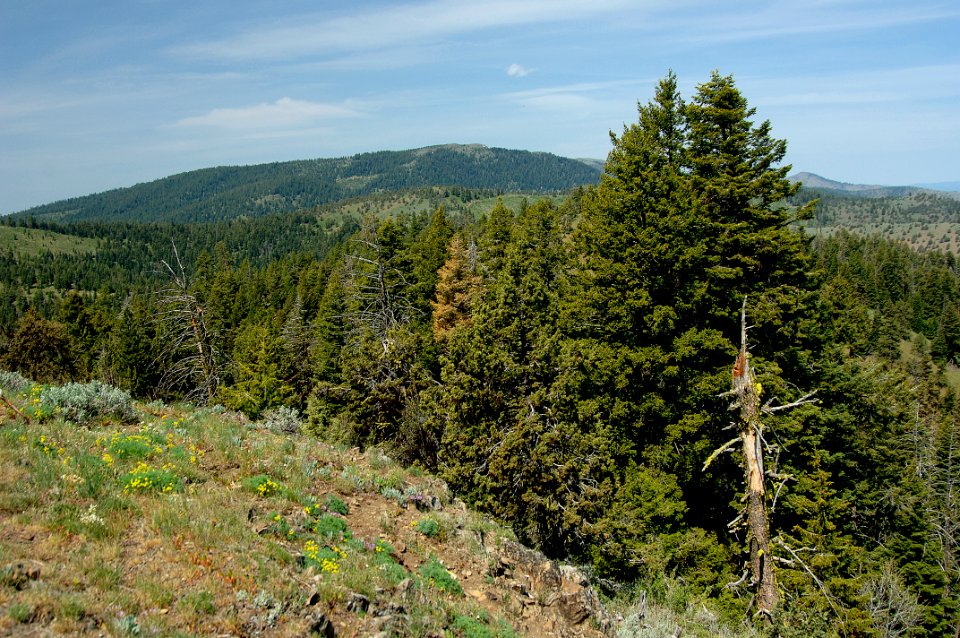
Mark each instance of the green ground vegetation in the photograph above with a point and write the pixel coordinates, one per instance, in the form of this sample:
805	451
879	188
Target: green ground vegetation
32	241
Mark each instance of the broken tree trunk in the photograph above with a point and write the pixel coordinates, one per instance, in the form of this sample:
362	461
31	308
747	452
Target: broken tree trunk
747	393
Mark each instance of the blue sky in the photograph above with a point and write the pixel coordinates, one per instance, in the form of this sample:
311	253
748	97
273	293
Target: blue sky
102	94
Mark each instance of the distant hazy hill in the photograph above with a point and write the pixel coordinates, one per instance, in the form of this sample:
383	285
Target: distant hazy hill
924	218
226	192
813	181
942	186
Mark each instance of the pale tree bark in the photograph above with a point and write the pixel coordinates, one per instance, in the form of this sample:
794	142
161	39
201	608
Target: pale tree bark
188	341
376	299
746	392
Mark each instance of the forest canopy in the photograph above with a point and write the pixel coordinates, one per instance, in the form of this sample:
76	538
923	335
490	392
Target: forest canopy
566	365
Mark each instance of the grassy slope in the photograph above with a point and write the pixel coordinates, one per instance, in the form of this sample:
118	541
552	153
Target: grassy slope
32	241
89	544
922	220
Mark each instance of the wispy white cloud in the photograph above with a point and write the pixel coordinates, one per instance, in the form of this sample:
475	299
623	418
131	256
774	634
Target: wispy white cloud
283	113
387	27
581	87
517	71
578	100
544	95
778	20
916	84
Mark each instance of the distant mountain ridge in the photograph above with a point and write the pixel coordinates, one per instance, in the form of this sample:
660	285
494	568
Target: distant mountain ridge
814	181
227	192
941	186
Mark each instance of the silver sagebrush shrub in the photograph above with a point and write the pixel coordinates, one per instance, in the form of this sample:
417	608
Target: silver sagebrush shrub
14	382
82	402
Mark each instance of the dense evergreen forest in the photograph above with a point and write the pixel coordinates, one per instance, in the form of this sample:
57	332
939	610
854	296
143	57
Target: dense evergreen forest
568	367
224	193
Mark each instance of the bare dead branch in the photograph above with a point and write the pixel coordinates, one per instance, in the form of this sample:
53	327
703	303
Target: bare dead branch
737	583
720	450
819	583
7	402
804	400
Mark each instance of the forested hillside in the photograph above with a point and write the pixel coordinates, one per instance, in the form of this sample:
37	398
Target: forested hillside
924	219
223	193
661	377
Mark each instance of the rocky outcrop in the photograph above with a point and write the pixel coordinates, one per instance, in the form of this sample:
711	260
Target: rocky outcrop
546	598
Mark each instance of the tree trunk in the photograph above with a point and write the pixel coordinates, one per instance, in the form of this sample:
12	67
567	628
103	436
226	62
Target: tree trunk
747	392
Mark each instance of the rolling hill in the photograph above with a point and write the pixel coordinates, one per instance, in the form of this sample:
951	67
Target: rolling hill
926	219
816	182
222	193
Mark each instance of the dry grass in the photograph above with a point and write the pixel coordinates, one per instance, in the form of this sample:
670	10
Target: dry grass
85	549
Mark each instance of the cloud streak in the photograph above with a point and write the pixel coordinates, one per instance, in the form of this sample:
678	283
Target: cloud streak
918	84
765	22
386	27
284	113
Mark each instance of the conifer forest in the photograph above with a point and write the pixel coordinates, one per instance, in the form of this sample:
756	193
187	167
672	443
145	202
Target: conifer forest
664	376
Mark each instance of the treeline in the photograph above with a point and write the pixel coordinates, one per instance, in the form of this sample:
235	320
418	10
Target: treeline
563	367
128	255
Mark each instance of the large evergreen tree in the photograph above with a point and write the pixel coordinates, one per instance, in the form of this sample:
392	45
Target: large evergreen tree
686	221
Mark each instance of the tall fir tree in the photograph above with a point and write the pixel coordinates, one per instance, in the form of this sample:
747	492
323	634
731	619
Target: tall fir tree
506	447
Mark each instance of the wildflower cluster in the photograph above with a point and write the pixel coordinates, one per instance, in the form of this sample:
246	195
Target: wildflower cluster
262	485
91	517
146	444
37	407
314	509
267	488
280	528
169	421
409	496
326	558
196	453
383	560
49	446
146	478
332	504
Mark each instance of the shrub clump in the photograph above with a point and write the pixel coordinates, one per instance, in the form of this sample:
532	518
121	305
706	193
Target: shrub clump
436	575
336	505
83	402
429	527
282	419
14	382
331	527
